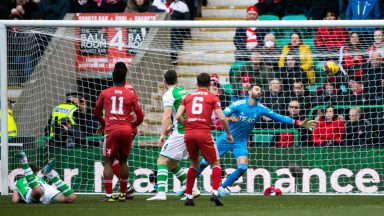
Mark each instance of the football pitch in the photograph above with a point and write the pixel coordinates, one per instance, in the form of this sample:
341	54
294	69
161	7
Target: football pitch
234	205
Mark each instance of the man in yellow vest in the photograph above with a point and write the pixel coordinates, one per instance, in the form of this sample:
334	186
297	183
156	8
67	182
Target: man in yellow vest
65	118
12	127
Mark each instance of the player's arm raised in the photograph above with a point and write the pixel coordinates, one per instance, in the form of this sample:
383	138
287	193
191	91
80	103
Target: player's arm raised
223	119
309	124
179	115
165	122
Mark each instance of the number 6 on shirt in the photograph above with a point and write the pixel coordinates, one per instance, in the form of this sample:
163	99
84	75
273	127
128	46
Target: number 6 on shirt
197	105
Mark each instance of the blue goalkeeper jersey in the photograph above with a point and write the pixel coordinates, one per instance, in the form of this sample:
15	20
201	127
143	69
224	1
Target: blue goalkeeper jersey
248	116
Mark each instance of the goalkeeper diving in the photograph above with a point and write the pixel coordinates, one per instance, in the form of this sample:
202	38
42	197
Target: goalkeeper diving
30	188
242	116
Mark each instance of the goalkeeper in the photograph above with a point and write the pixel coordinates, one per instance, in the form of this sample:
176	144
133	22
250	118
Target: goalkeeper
33	189
243	115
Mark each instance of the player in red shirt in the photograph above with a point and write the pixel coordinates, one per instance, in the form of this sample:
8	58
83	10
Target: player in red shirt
118	103
116	164
198	107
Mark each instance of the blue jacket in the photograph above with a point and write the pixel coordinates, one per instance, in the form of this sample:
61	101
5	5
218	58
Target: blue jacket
362	10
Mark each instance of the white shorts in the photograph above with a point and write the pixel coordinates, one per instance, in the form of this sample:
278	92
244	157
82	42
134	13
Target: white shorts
49	193
174	148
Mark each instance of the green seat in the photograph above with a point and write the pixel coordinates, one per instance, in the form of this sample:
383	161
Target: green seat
312	88
310	42
228	88
268	17
294	17
281	42
237	65
262	139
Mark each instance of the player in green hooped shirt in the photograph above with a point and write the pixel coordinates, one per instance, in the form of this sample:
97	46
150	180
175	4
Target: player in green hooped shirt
33	189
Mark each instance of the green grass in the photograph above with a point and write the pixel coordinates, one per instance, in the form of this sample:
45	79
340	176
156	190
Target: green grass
234	205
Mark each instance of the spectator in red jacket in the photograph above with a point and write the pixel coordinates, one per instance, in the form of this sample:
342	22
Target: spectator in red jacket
352	55
329	129
330	40
378	44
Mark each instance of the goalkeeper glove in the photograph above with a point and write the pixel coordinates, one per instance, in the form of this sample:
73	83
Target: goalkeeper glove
309	124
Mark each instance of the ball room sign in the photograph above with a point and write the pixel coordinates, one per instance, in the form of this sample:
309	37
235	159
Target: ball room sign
98	49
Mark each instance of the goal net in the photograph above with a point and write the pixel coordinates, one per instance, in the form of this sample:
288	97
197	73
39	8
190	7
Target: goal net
331	74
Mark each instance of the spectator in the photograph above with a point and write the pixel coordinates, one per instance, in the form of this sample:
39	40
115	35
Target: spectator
111	6
275	7
275	98
294	7
71	122
373	76
358	131
138	6
291	72
301	95
378	44
247	39
329	129
178	11
52	9
246	82
286	139
216	89
329	94
29	7
357	94
270	53
351	56
256	69
363	10
299	49
12	126
17	13
84	6
329	40
320	7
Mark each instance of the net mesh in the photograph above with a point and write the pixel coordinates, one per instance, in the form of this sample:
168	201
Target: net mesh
342	154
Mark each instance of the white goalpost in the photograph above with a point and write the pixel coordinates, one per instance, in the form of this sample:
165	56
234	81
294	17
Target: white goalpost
41	62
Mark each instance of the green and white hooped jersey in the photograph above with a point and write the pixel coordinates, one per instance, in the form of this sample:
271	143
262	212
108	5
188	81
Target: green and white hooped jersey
173	98
22	186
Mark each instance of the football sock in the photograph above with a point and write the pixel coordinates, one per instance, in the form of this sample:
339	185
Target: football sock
203	165
191	176
108	186
61	186
123	185
216	178
240	170
162	175
180	174
29	175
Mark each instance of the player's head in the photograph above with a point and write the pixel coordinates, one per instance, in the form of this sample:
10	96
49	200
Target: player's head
170	77
119	73
203	80
255	91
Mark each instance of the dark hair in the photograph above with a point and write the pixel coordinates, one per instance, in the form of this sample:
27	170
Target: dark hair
120	66
256	84
203	80
119	74
170	77
333	12
71	95
298	33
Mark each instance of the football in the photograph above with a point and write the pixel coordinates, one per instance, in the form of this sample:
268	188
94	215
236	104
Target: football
331	68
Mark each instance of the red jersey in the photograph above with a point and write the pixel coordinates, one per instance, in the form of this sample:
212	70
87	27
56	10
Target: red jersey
198	107
129	87
117	102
